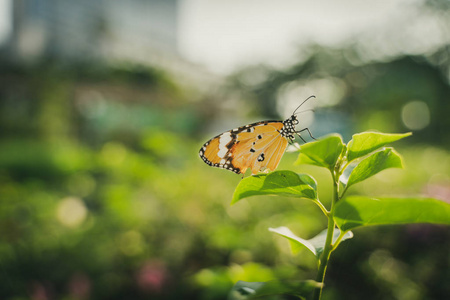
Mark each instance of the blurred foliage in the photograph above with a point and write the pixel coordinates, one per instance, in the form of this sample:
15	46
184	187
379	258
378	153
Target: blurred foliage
103	196
368	94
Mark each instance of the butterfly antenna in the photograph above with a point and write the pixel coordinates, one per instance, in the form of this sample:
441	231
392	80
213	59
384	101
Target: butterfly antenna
304	111
303	103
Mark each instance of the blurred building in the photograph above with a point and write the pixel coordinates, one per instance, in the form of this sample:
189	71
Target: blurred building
132	31
93	28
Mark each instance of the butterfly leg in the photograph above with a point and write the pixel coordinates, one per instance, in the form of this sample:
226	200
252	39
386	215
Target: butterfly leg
301	136
307	129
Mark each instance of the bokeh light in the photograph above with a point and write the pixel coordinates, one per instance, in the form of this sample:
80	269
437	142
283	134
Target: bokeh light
416	115
71	212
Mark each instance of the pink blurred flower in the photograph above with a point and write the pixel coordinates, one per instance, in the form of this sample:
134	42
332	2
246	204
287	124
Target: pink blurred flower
152	276
38	291
439	191
79	286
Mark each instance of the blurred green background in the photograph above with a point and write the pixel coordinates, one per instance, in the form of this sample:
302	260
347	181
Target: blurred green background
102	192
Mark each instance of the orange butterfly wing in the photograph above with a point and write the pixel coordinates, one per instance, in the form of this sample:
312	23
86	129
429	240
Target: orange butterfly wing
257	146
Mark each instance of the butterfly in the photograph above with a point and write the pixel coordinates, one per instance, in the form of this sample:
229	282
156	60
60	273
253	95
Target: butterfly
258	146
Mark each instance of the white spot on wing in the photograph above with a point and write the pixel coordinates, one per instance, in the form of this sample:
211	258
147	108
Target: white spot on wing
222	152
225	138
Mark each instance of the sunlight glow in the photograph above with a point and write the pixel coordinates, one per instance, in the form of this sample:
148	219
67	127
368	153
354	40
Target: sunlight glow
227	35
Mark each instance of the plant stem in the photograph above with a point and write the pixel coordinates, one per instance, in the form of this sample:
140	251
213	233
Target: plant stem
328	243
322	207
338	240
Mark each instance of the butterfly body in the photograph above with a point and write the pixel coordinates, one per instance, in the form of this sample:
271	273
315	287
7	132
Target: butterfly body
258	146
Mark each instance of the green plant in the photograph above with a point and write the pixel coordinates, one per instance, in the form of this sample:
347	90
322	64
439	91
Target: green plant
364	156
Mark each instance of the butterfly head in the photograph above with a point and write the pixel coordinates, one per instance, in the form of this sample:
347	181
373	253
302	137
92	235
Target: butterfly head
288	129
293	119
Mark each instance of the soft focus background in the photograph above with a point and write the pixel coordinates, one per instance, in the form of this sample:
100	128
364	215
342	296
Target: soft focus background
105	104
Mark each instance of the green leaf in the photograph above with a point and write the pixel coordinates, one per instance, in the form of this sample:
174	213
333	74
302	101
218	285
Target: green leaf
322	153
357	211
297	243
366	142
315	245
319	240
283	183
375	163
251	290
